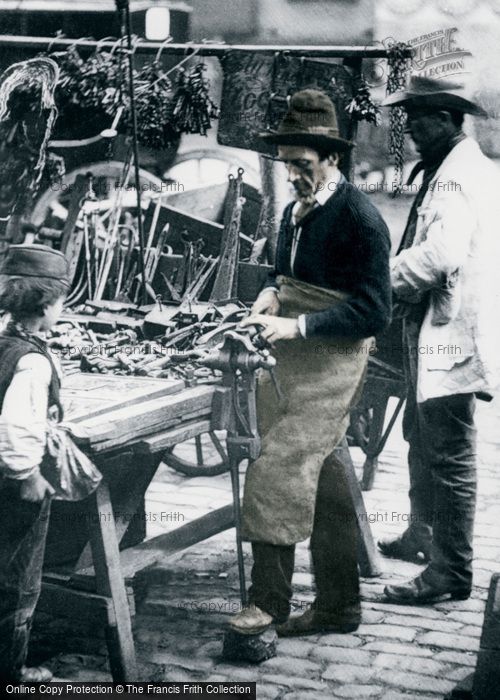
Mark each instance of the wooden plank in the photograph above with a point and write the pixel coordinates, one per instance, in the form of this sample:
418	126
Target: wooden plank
72	237
168	438
207	202
58	600
194	226
126	425
128	505
86	395
110	583
148	553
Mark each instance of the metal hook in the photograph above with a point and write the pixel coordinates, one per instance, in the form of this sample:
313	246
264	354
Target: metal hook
119	41
82	39
101	41
135	41
59	35
178	65
159	52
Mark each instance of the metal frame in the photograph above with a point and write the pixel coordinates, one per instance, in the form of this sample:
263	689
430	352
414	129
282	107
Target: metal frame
39	43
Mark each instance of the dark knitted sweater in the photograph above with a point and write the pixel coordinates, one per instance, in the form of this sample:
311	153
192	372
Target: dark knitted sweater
12	349
344	245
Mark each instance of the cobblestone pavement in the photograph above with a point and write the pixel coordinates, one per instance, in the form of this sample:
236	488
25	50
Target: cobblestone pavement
398	651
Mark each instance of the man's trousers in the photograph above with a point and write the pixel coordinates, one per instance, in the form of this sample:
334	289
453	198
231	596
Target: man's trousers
443	481
334	547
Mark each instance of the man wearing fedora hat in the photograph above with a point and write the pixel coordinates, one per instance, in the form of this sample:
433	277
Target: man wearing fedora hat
328	295
445	278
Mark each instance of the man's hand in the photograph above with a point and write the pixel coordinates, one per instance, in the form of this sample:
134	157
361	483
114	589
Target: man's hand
35	488
267	303
275	327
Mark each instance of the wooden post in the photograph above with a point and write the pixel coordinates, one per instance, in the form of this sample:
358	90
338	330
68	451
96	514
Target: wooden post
273	203
110	583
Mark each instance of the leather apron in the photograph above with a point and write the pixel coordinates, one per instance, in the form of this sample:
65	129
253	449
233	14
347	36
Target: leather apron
321	379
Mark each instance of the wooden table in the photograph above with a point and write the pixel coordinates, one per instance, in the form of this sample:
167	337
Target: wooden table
129	422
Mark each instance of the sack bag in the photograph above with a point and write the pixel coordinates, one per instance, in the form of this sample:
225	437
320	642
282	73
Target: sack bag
68	470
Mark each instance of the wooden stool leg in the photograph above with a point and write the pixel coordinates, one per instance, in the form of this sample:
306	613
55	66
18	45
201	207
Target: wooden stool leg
109	582
368	557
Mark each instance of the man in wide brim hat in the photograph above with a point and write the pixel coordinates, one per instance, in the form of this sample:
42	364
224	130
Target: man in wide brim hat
445	278
434	94
330	285
310	121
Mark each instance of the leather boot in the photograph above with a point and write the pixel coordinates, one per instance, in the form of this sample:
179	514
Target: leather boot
314	621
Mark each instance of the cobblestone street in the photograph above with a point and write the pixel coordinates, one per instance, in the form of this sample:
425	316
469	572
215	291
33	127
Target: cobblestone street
398	651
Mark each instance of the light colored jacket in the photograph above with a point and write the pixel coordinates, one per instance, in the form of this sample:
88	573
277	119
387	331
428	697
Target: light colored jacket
456	258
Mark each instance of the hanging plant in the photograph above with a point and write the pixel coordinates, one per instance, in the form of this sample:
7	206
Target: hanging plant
99	86
193	108
399	66
90	91
361	107
70	73
154	104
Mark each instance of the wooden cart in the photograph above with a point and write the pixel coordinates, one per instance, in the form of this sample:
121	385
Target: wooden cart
129	423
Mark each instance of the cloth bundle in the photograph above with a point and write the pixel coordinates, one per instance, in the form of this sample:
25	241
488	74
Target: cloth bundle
67	469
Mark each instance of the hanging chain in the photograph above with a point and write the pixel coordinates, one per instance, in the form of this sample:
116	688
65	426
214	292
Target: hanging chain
399	66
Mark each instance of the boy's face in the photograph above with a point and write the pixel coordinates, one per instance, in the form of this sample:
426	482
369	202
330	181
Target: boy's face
52	313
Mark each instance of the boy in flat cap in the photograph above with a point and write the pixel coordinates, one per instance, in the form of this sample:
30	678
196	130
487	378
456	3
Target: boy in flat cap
328	295
33	286
446	276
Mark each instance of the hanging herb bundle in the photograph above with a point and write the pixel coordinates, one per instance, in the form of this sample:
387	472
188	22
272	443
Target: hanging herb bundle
71	67
90	91
103	82
361	106
193	108
154	104
95	88
399	66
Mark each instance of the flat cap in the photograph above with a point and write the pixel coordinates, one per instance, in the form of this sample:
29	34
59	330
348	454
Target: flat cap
35	260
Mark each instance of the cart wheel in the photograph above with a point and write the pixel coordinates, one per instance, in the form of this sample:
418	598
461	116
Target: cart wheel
51	208
206	446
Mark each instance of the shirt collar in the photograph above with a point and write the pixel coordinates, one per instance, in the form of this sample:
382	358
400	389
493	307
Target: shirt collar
323	195
328	188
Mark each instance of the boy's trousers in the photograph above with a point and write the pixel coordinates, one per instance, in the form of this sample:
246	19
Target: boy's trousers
23	531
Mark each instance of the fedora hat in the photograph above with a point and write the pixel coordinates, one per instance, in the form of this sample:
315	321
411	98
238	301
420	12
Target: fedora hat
311	121
434	94
35	261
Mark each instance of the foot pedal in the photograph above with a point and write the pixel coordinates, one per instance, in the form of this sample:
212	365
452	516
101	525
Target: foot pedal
254	648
